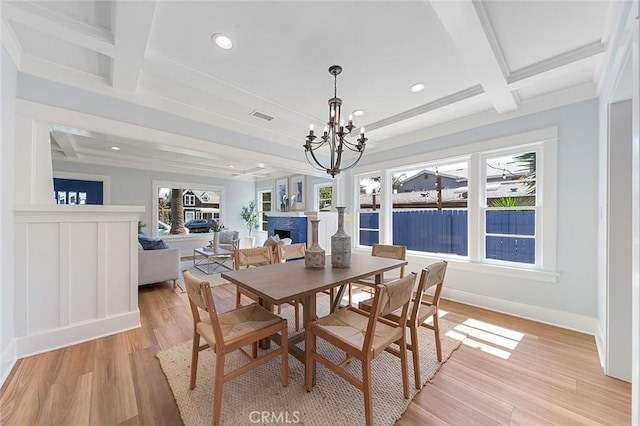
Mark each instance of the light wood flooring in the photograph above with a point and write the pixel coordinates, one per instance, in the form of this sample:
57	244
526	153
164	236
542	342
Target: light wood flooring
519	373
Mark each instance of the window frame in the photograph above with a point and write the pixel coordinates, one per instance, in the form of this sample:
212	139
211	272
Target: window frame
483	208
157	184
316	191
544	141
260	206
191	197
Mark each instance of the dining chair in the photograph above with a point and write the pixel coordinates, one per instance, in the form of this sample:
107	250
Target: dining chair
284	253
363	336
250	257
380	250
227	332
258	256
420	310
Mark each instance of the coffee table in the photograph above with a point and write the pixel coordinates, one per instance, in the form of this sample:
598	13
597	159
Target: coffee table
208	261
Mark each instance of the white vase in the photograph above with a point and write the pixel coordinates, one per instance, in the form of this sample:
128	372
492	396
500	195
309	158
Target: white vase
216	242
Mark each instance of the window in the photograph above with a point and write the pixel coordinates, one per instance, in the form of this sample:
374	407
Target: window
369	210
264	206
430	207
325	196
510	207
484	204
188	193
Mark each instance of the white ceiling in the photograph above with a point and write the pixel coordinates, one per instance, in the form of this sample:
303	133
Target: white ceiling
497	58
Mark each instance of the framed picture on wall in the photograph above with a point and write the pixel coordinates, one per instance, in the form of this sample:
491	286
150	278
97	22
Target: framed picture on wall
282	195
297	192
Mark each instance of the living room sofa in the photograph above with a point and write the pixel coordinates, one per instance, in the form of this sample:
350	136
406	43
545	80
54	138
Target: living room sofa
155	266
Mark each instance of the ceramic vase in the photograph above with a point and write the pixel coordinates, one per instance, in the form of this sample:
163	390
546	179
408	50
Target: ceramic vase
216	242
314	257
340	244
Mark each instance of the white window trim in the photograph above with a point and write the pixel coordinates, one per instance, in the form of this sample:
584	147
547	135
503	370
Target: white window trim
547	165
157	184
190	197
259	205
316	194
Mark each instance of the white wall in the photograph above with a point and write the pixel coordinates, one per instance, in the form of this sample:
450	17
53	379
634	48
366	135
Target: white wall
571	301
132	187
7	333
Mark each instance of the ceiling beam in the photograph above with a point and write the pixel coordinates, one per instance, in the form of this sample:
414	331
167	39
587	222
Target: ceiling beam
467	23
66	143
60	26
132	27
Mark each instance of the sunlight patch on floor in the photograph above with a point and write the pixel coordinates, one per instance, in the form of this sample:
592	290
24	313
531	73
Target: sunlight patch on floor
489	338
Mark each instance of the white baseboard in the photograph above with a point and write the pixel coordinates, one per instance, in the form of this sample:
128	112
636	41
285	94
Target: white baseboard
601	347
77	333
8	359
566	320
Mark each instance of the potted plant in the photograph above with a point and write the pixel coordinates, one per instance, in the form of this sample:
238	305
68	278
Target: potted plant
250	216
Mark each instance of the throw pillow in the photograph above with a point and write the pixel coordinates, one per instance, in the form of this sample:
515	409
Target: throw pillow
151	244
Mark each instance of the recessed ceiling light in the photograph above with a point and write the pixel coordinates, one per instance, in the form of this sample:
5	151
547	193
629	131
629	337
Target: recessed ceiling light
222	41
231	167
358	112
115	148
418	87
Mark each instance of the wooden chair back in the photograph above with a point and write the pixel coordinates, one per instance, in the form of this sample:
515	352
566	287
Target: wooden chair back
257	256
391	252
290	251
432	275
200	296
389	297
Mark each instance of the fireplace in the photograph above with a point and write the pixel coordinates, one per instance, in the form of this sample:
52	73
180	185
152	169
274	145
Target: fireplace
282	233
288	225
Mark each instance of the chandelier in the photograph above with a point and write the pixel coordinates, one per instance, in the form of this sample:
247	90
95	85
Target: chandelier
334	136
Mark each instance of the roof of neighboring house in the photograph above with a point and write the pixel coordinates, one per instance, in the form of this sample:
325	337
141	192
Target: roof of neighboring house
494	190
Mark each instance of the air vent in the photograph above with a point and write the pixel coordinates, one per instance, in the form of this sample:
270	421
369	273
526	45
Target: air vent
261	115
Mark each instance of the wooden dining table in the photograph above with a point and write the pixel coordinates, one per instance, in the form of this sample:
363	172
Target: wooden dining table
283	282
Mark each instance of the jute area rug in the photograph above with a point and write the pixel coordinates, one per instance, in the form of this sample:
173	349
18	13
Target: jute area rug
258	397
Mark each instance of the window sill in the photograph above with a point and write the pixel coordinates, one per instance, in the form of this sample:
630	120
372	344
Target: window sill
186	237
467	265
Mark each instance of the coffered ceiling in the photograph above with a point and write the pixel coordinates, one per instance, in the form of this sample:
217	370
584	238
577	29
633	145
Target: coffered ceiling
483	59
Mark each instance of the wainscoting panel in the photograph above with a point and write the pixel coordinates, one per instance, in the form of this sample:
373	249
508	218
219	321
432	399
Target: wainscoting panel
76	274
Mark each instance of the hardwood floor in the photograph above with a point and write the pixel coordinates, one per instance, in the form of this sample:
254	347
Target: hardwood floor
519	373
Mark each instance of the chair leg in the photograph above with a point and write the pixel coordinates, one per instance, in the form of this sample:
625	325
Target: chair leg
254	350
297	314
217	389
285	355
415	350
349	297
403	364
237	298
366	390
175	283
194	359
436	333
